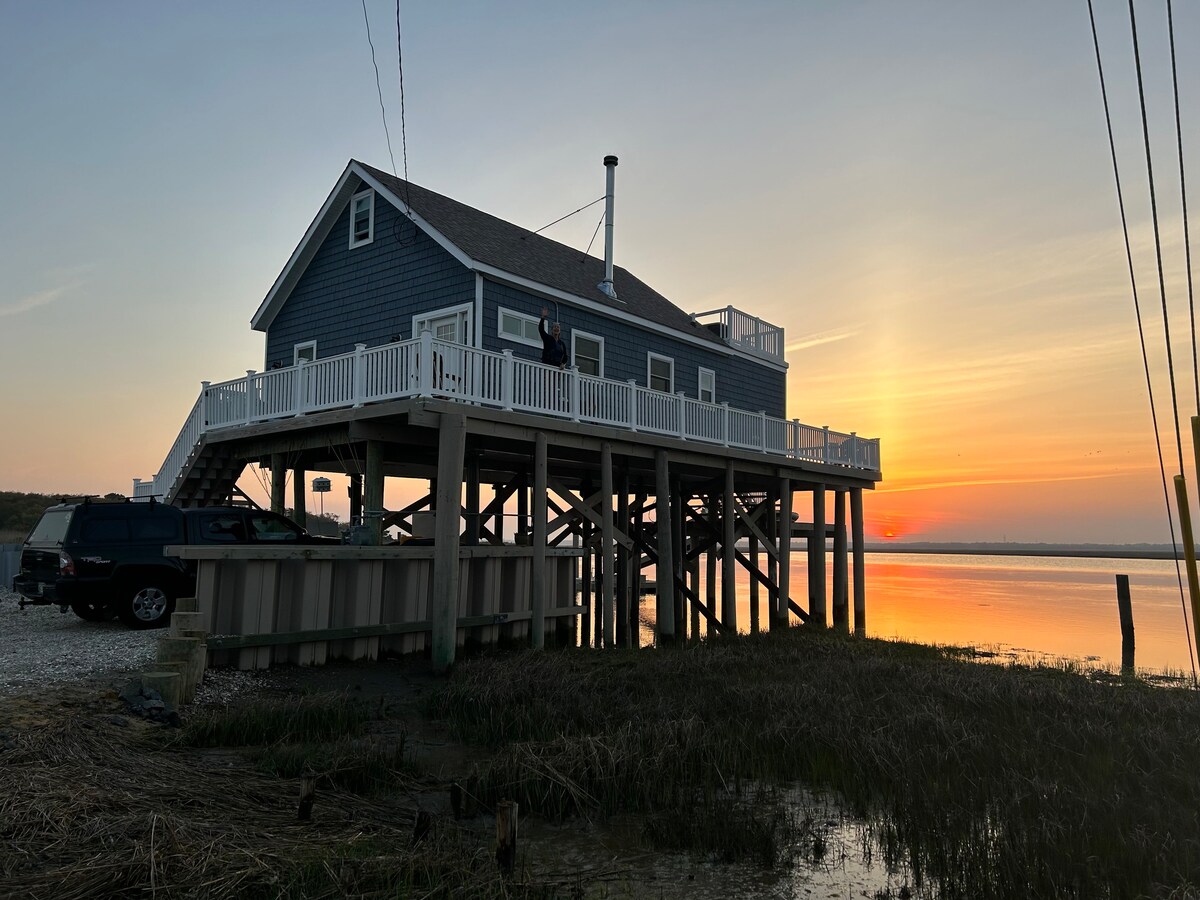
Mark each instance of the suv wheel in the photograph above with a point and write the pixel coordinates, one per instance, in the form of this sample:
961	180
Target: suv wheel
146	606
92	612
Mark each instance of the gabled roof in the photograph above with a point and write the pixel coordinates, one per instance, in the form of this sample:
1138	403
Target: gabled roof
489	245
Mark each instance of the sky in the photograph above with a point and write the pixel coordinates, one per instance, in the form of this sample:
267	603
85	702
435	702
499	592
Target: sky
920	193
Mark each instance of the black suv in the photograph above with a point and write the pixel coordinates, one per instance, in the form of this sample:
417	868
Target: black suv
105	559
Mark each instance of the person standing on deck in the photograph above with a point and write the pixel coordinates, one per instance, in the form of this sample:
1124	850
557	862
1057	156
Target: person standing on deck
554	348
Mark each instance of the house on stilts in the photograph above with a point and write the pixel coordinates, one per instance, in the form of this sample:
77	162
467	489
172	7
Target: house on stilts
402	341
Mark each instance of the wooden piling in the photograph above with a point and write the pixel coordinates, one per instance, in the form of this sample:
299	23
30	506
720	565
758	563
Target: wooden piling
816	560
506	835
728	558
299	496
538	576
622	570
607	544
373	492
780	618
841	601
443	604
860	565
1125	610
664	597
278	482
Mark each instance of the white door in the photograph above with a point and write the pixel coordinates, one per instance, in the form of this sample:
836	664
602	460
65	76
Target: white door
452	326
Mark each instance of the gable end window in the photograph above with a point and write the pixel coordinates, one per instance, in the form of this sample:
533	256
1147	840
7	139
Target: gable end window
587	351
519	327
707	383
362	218
660	373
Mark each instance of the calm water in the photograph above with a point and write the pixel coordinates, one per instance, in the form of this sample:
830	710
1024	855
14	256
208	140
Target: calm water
1019	606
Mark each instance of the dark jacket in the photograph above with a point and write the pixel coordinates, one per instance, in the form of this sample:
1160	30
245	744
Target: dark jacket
554	350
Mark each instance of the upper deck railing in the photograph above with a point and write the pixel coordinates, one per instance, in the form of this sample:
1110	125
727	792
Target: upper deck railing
425	367
744	331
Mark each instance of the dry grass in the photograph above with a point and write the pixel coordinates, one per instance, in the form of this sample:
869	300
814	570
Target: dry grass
985	781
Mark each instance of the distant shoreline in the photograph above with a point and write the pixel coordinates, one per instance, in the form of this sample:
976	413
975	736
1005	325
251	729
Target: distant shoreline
1135	551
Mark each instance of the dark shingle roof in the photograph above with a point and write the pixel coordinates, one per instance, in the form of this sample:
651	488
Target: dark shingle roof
518	251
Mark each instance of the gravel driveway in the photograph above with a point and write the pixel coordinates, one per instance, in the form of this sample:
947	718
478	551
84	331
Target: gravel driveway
39	646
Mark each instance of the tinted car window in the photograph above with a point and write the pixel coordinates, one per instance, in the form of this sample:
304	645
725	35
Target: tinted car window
100	530
155	528
226	529
269	528
52	527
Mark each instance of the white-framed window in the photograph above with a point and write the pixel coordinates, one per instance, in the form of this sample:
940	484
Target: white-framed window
306	351
707	386
587	352
452	324
660	373
362	218
519	327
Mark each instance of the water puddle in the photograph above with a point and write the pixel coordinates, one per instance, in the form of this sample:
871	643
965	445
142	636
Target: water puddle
830	854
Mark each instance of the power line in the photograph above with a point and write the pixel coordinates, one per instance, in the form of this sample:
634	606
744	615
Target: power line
1141	335
378	89
403	127
1187	241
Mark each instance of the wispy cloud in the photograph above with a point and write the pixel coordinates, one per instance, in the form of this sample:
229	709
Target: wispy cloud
984	482
33	301
816	340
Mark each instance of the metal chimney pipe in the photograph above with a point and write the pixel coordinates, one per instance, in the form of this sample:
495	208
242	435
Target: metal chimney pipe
610	169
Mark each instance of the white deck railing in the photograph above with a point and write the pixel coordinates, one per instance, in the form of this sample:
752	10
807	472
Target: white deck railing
428	368
744	331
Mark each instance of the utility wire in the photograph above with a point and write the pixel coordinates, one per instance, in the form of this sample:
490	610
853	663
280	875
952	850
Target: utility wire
1162	287
1141	336
378	89
403	127
1187	241
568	215
596	232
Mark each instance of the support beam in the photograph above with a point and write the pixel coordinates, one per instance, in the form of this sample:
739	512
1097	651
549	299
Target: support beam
522	511
443	612
299	495
728	548
860	564
278	482
538	578
779	618
473	518
664	598
373	510
816	559
841	607
622	570
607	546
710	558
355	492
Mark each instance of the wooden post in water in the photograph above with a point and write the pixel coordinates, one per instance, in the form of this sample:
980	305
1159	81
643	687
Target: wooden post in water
538	575
754	597
506	835
728	558
781	616
860	565
816	559
1125	609
443	603
841	600
665	592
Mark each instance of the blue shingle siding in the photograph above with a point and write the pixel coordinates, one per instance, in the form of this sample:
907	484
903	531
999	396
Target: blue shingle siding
743	382
370	293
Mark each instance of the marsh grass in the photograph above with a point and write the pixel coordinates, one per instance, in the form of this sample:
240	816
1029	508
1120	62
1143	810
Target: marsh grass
985	780
368	767
310	717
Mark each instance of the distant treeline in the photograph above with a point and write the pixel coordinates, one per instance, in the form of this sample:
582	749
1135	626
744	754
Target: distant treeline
20	512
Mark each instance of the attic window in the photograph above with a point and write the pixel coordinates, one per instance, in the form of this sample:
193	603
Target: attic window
362	218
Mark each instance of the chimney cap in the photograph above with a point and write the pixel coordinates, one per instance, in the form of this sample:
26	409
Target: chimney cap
610	160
